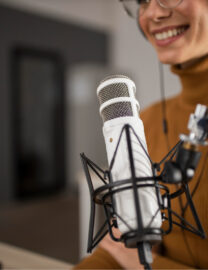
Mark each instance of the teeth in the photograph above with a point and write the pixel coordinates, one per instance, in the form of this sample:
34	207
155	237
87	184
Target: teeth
169	33
165	35
175	32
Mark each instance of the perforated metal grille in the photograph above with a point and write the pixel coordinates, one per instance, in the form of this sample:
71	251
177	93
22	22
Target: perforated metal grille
120	109
113	91
115	77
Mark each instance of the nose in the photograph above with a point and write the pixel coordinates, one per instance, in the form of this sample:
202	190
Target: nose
156	12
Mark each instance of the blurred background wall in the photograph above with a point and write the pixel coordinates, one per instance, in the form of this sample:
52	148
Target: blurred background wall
53	55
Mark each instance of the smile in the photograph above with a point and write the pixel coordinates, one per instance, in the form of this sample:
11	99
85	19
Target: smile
163	35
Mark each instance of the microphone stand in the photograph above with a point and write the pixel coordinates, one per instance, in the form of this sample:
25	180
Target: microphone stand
144	248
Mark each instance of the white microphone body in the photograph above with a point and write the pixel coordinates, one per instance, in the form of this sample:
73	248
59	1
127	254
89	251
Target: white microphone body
118	108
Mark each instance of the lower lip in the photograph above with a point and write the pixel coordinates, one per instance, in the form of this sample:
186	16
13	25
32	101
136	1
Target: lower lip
168	41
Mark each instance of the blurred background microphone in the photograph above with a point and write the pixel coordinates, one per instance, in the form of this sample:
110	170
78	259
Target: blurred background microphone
118	107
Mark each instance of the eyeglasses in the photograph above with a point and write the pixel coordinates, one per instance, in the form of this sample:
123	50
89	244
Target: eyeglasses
134	8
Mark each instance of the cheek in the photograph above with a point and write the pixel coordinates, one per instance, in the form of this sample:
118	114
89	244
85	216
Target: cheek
141	24
199	30
143	30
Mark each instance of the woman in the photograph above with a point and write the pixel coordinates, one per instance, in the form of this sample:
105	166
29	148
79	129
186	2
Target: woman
178	30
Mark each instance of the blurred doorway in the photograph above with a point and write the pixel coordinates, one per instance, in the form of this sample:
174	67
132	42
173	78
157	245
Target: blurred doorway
38	112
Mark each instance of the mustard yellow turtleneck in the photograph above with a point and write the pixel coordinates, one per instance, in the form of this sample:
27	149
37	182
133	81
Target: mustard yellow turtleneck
182	250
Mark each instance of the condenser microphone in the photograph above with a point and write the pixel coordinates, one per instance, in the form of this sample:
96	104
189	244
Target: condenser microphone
119	107
134	197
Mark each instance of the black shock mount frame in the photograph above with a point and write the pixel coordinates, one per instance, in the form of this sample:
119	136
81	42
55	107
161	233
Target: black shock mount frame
104	195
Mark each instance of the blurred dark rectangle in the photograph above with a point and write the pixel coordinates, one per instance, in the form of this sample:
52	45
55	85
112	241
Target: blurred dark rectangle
38	113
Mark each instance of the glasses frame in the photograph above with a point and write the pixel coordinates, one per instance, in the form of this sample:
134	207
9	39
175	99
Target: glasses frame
130	13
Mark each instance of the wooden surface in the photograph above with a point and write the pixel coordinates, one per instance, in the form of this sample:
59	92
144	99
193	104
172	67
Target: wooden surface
17	258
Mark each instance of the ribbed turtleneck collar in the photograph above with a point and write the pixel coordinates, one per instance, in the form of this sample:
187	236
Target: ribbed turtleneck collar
194	80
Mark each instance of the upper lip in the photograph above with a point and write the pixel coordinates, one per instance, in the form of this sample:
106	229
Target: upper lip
165	29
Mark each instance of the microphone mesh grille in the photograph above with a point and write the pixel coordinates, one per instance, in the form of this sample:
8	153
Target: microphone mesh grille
113	91
119	109
114	77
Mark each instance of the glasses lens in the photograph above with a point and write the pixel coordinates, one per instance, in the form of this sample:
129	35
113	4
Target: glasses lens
169	3
131	7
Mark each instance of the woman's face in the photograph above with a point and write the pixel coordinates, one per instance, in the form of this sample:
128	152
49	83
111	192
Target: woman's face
179	35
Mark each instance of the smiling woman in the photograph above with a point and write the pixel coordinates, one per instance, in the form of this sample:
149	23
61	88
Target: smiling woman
178	35
178	30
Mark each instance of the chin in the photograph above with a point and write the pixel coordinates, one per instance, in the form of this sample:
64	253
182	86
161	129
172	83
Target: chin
170	60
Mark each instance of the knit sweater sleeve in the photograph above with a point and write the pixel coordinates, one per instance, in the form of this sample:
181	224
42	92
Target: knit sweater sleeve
162	262
101	259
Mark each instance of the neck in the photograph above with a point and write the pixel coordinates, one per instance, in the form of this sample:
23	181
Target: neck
194	80
190	62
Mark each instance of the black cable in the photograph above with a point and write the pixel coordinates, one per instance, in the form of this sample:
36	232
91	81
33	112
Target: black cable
147	267
163	103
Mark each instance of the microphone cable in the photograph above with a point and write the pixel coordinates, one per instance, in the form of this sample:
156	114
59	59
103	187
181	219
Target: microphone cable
163	104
